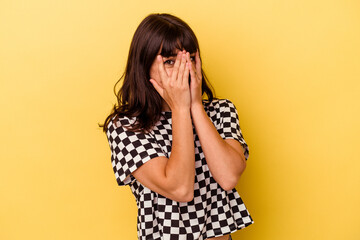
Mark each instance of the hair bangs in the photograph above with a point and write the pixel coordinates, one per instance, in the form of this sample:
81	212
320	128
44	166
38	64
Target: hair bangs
176	39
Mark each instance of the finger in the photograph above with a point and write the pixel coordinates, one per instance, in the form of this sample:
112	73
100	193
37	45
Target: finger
161	68
198	64
176	66
192	74
185	78
182	66
157	87
188	58
191	68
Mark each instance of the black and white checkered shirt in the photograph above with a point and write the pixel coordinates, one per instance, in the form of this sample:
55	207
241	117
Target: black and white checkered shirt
213	212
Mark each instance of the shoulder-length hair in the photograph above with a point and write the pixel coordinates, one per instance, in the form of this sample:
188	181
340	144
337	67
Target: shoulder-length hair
137	97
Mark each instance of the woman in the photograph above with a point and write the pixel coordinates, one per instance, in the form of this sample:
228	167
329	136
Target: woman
182	156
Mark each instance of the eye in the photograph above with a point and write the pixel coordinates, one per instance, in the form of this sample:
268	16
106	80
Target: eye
169	62
192	58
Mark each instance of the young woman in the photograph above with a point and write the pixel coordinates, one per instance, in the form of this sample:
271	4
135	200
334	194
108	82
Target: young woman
181	155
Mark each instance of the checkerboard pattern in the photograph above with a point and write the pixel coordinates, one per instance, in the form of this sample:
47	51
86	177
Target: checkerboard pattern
213	212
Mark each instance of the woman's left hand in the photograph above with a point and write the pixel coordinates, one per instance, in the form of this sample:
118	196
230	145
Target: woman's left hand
195	83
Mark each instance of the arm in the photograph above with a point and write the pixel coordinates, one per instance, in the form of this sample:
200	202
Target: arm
225	158
173	177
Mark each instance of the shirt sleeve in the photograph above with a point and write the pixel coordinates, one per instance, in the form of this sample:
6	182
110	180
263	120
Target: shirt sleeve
130	150
229	125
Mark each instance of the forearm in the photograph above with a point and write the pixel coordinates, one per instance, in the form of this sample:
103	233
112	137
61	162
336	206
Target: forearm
180	168
225	163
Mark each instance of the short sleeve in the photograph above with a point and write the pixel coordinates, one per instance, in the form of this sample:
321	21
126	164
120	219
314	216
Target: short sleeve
129	150
229	124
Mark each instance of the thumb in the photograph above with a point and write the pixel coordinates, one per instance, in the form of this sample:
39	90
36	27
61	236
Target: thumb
157	87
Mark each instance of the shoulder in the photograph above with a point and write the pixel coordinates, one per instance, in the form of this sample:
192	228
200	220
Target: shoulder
218	110
218	105
118	124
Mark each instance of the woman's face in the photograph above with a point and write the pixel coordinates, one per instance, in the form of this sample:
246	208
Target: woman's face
168	65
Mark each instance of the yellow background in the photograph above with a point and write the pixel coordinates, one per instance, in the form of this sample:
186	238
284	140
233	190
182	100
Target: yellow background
292	68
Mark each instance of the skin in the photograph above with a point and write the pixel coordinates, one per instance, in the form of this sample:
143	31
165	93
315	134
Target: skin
162	174
225	158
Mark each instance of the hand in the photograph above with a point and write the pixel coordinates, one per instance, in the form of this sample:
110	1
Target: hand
195	84
175	89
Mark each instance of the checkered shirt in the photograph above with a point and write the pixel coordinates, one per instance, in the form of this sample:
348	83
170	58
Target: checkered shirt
213	212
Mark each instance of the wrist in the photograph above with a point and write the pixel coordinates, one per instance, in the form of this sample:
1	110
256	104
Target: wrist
197	108
180	111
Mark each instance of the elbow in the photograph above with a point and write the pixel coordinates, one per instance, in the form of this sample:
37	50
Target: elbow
230	182
188	197
228	185
184	194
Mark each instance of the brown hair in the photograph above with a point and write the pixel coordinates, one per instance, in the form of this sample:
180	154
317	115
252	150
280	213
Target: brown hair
137	97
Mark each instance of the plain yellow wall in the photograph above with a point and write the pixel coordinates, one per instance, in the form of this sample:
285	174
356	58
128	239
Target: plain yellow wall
292	68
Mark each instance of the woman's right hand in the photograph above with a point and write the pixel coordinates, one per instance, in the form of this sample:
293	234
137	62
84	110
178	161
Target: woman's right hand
175	88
